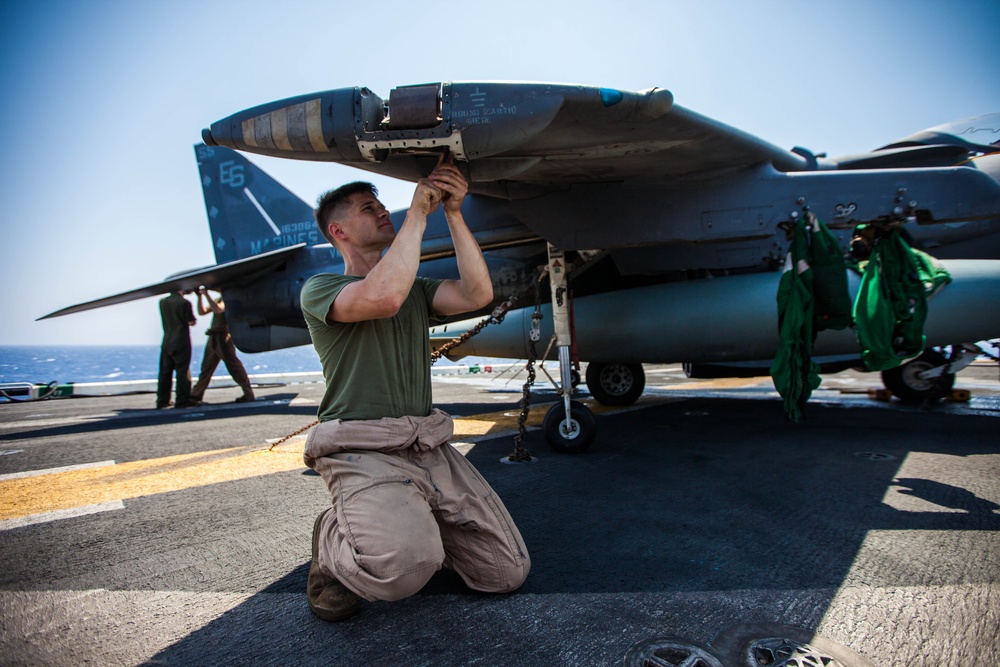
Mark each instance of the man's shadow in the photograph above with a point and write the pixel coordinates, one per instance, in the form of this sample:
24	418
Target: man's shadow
946	495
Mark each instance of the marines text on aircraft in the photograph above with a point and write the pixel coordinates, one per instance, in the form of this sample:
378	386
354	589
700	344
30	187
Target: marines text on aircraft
663	231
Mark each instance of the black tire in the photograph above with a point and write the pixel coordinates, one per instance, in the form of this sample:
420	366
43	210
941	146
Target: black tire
573	437
615	384
758	644
904	384
671	651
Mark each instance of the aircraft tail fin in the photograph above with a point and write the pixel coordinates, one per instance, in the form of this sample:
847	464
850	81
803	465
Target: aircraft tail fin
249	212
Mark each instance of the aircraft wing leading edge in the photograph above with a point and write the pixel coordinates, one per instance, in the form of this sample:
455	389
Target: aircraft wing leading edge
217	277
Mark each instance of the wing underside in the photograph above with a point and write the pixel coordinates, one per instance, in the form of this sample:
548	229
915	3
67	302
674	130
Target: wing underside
542	134
217	277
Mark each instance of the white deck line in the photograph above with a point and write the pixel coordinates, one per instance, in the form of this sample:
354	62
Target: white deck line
50	471
56	515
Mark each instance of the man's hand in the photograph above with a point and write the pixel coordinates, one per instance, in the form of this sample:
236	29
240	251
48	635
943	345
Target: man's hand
473	289
445	184
449	180
426	197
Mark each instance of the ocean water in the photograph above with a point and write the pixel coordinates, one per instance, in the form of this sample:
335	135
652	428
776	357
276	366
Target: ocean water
99	363
43	364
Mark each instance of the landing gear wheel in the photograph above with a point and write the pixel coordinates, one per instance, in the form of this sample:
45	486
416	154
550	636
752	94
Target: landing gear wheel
670	651
903	382
773	645
615	384
569	435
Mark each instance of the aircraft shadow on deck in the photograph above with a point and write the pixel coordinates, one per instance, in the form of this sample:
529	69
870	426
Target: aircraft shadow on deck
702	495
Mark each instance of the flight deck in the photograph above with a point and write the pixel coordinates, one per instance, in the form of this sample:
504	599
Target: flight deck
698	517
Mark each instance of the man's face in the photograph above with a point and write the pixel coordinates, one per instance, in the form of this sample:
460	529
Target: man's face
364	222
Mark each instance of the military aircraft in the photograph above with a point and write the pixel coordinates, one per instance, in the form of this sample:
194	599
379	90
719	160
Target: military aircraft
662	231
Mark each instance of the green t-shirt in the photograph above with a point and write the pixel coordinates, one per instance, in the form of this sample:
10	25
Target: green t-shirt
218	324
377	368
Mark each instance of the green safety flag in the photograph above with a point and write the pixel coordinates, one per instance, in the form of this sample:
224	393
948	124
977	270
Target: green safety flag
891	307
812	296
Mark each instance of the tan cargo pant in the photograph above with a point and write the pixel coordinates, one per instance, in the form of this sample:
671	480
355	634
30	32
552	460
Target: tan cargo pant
407	503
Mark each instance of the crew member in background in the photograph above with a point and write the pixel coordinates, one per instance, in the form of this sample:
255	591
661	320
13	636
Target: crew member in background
219	346
405	502
175	350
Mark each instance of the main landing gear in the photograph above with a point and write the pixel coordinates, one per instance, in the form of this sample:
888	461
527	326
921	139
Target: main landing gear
615	383
569	425
929	377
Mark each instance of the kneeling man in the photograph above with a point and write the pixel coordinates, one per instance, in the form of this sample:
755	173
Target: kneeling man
405	502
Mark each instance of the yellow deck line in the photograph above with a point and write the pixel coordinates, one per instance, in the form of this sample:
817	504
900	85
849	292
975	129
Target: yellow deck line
722	383
134	479
67	489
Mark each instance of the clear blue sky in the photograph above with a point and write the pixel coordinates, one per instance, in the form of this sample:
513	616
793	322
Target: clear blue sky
102	102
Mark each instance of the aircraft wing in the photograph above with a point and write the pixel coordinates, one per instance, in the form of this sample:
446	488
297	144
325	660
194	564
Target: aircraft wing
217	277
533	133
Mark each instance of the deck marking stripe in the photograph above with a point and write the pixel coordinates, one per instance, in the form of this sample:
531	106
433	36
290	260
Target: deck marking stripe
134	479
53	471
722	383
72	487
47	517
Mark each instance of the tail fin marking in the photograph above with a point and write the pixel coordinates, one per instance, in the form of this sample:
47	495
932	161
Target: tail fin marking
249	212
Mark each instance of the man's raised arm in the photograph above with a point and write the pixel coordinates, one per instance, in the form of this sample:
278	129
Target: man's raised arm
474	289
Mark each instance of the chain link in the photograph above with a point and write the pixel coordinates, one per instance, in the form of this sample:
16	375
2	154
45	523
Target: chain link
520	453
292	435
496	317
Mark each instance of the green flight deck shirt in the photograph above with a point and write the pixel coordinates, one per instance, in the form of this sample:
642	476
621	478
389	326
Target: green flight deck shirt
376	368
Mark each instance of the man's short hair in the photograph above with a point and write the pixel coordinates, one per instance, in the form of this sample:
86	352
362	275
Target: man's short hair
329	202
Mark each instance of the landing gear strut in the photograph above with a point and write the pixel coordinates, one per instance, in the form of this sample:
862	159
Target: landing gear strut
569	425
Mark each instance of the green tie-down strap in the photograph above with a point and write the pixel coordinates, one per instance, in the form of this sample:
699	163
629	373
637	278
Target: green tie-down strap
812	296
891	307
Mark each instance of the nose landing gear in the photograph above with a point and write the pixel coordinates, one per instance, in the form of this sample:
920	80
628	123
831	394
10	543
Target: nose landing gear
569	425
572	433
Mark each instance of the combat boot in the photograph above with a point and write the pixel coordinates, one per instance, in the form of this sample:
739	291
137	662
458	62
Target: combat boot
328	598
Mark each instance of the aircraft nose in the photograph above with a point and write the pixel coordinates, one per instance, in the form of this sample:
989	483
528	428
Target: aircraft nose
303	127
